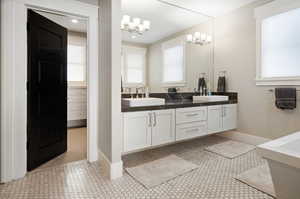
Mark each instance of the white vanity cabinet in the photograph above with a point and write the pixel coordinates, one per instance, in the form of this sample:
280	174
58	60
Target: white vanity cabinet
145	129
137	130
148	128
222	118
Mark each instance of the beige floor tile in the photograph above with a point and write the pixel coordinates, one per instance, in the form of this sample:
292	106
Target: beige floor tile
77	149
214	179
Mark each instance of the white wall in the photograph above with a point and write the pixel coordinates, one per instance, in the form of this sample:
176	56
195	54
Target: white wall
235	51
110	134
198	60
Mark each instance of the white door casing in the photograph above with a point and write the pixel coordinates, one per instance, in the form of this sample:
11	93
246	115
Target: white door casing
14	78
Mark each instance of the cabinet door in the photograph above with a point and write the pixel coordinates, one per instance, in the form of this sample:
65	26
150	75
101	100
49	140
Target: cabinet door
137	130
215	120
229	117
163	127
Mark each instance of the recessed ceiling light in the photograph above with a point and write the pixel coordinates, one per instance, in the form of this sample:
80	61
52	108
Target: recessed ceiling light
74	20
133	36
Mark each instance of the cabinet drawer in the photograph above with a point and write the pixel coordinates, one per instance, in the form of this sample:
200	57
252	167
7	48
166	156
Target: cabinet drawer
195	114
191	130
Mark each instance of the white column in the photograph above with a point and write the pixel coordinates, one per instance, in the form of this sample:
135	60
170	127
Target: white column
110	132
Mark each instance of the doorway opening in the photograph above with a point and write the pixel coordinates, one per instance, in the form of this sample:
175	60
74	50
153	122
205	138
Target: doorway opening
57	94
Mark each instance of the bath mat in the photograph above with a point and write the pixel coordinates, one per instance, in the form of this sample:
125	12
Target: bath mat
259	178
159	171
230	149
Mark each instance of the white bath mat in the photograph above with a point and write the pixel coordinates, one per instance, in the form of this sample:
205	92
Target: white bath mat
230	149
259	178
160	171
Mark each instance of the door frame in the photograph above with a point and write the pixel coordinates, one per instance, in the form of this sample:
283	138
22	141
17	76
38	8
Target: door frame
14	78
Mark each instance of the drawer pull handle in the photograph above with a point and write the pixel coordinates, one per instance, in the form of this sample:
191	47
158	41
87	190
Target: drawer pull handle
150	120
192	115
155	121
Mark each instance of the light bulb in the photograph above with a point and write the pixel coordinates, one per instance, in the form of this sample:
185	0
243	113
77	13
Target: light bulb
197	35
203	37
74	20
141	28
209	39
136	21
146	24
131	25
189	38
126	19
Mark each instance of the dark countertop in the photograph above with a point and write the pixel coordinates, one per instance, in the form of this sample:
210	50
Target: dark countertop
175	104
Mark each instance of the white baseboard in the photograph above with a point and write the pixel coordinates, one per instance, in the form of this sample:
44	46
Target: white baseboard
243	137
114	170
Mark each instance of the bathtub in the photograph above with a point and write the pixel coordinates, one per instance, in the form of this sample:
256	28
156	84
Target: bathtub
283	156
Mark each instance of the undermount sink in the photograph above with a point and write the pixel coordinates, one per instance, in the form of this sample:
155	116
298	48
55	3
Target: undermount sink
211	98
143	101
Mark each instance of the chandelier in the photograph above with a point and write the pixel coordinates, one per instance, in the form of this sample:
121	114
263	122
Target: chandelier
199	38
134	25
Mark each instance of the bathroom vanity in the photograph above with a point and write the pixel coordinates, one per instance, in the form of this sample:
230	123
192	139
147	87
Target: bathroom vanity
152	126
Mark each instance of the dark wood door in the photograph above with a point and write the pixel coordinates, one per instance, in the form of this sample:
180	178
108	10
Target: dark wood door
47	90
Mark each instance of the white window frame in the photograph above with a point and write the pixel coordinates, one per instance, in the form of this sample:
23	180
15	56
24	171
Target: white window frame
169	44
261	13
127	49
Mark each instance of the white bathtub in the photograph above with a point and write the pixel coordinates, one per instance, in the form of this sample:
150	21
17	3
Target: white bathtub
283	156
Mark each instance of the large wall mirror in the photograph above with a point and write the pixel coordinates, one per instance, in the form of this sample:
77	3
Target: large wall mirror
165	46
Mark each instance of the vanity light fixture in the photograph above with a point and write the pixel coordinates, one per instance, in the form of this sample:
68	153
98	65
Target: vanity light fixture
199	38
134	25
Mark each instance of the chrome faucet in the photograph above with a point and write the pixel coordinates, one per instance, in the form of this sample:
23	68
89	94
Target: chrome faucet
137	91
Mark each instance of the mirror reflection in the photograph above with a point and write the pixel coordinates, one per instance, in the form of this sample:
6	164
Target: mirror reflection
165	47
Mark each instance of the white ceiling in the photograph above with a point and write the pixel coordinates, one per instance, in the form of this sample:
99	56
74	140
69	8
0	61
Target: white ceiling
66	21
167	20
212	7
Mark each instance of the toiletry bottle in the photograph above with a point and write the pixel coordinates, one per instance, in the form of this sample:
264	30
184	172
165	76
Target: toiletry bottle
208	93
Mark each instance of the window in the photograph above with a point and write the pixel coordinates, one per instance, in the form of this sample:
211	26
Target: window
133	66
173	53
280	49
76	60
76	63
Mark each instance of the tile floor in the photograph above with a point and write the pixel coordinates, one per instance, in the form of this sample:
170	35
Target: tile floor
213	180
77	148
